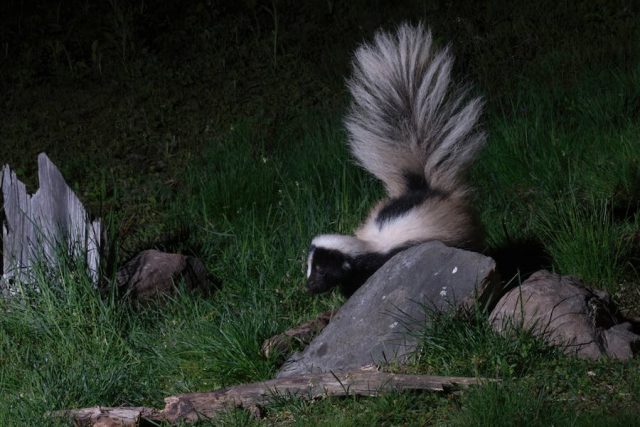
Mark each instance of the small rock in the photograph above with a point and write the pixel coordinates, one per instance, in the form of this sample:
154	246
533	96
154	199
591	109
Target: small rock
153	273
381	322
621	342
565	313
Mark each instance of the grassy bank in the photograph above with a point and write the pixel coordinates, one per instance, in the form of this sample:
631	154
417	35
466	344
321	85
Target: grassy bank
217	132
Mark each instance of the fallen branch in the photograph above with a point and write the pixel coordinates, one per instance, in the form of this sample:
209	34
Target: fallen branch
99	416
196	406
303	334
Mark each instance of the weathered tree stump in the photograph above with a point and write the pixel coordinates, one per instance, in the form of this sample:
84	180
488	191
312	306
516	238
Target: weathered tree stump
42	228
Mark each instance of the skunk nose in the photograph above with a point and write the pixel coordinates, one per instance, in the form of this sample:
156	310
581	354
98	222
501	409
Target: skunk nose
312	287
315	286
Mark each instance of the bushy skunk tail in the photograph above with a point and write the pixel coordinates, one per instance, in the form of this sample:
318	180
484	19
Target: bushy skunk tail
407	119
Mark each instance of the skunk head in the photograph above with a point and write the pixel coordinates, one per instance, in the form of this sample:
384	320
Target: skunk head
326	269
331	261
343	261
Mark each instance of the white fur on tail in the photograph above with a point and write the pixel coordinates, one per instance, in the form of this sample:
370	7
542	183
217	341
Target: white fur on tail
407	116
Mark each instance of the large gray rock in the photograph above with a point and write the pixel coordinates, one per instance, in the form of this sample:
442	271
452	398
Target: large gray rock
565	313
382	321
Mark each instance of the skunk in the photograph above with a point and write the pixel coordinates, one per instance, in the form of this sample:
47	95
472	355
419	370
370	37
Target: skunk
414	129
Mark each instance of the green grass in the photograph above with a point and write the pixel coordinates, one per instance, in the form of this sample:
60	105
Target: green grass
227	137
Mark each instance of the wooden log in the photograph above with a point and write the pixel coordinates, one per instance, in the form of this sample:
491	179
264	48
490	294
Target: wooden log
99	416
39	226
188	408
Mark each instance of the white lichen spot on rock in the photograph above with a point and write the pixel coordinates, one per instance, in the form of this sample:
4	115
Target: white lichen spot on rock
393	325
443	291
455	270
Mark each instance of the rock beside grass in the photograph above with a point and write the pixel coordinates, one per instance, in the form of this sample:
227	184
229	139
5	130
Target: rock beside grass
382	321
565	313
152	274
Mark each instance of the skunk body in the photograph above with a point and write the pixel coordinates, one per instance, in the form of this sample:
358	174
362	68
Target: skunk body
417	132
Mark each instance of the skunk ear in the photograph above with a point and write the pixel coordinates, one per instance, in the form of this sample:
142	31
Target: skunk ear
346	265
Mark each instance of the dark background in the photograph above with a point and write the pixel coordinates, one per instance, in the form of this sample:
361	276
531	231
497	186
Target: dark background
123	95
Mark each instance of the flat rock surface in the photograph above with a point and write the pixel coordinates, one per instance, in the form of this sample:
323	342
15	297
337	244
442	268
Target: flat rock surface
382	321
565	313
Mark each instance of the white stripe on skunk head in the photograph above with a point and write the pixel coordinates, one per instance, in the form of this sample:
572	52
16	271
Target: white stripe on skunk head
348	245
310	260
